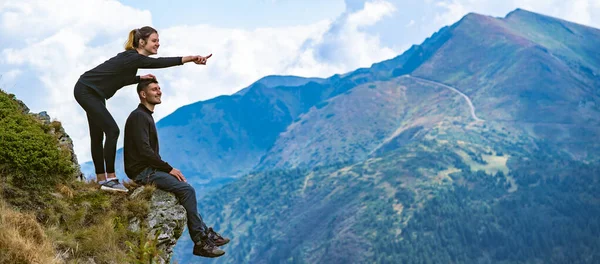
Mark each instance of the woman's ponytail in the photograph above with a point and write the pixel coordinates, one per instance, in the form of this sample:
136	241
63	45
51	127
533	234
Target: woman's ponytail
129	45
136	34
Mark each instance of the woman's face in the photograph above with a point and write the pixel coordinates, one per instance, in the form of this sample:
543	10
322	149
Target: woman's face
151	44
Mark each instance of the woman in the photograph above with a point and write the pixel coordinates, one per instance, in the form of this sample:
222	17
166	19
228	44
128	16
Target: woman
99	84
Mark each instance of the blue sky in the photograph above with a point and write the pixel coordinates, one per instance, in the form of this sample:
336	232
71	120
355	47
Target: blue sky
46	45
239	14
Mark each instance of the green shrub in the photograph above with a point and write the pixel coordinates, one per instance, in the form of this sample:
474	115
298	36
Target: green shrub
29	156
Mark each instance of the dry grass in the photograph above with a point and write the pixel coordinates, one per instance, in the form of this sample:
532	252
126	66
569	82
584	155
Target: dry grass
22	238
77	223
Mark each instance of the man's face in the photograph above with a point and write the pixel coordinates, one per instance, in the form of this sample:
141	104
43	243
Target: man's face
152	94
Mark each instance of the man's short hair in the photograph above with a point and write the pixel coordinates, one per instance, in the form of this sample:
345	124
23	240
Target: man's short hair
144	83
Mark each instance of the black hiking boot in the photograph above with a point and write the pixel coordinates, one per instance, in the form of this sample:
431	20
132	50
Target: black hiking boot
217	238
207	248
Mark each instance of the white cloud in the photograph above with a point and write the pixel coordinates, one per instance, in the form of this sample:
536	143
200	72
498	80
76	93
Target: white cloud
454	10
38	18
371	14
11	75
58	44
579	11
346	45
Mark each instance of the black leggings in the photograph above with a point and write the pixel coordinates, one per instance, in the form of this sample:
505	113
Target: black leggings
100	122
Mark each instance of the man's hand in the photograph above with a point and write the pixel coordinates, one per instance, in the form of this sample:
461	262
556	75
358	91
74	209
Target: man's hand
148	77
177	174
202	60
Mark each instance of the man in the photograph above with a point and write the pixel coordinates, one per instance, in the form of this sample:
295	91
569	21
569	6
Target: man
144	165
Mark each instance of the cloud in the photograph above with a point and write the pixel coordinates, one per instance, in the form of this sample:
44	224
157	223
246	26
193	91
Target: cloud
454	10
346	45
580	11
10	75
38	18
586	12
56	45
371	14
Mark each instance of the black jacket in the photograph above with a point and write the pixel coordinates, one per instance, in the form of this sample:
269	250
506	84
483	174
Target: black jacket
121	70
141	143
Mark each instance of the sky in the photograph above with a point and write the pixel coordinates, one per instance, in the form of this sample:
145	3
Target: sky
46	45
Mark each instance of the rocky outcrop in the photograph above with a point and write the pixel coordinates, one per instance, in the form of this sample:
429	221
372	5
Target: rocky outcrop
165	222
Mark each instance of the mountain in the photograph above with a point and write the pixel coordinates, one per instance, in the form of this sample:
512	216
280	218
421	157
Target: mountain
478	145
